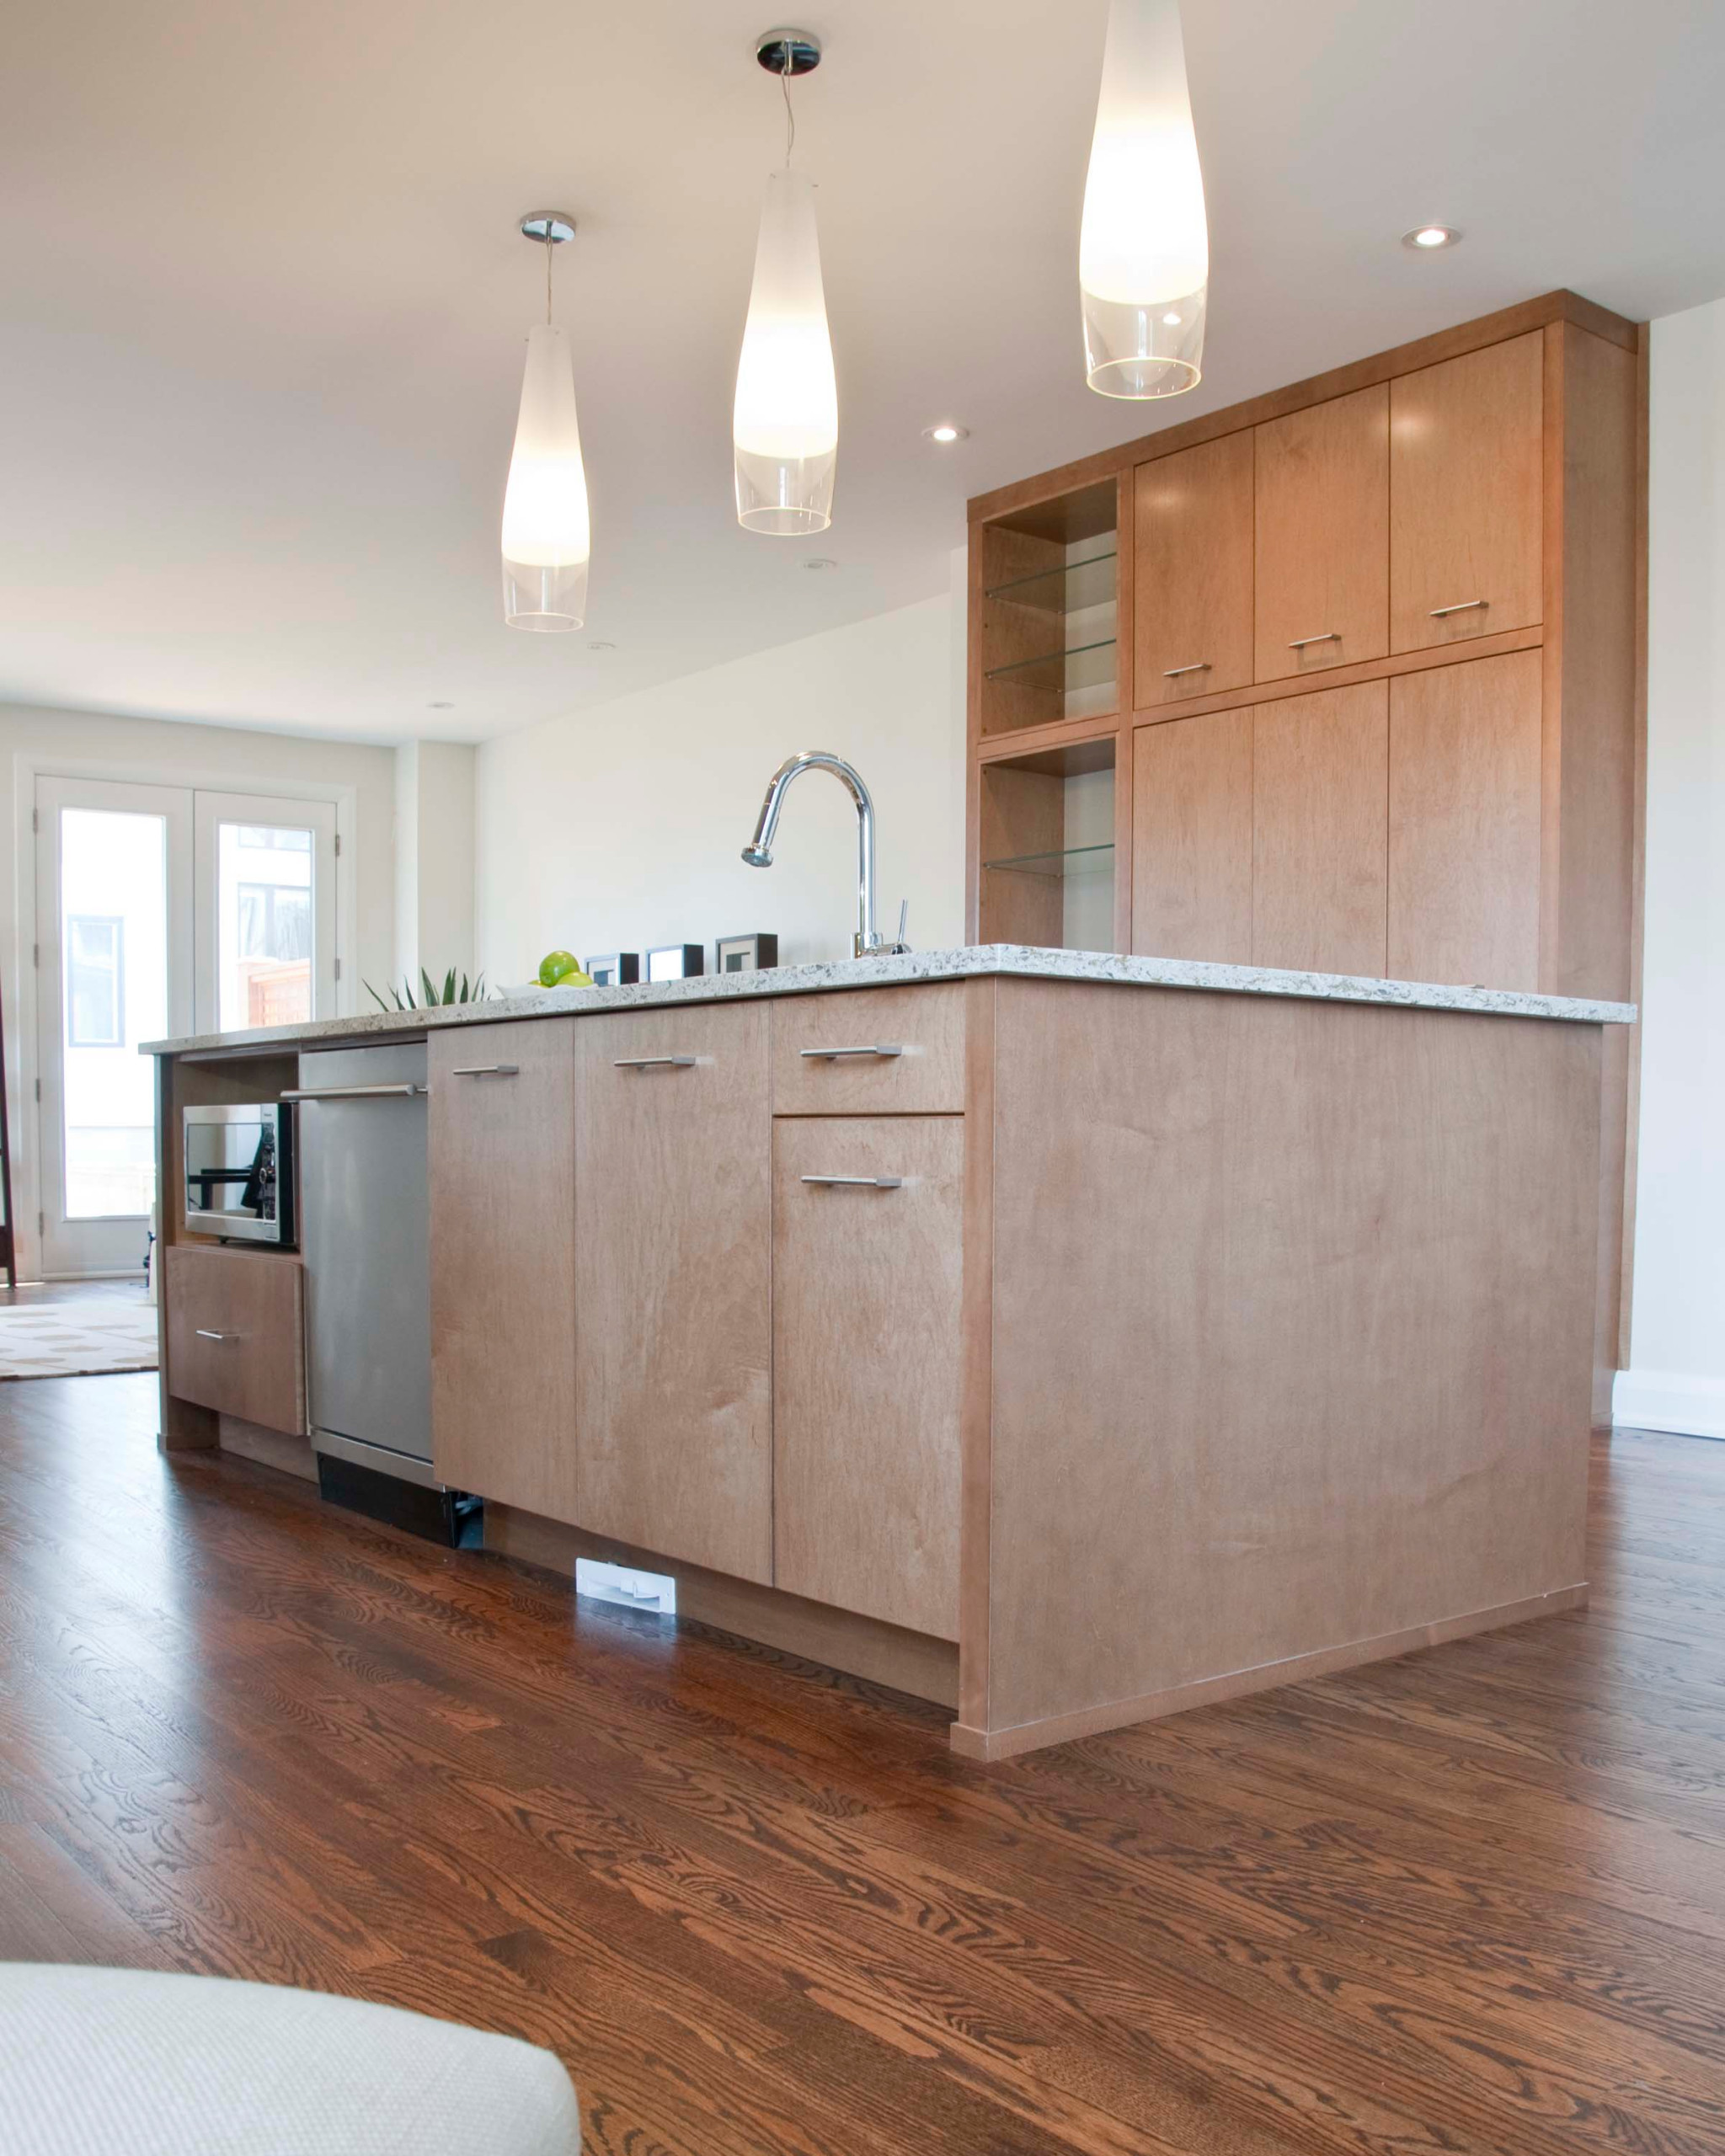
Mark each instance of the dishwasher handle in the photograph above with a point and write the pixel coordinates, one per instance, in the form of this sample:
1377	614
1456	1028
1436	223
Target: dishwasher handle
402	1092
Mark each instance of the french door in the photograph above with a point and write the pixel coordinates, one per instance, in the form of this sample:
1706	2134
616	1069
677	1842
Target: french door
160	911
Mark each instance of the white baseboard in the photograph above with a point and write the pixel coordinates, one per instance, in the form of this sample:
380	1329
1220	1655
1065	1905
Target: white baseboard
1669	1400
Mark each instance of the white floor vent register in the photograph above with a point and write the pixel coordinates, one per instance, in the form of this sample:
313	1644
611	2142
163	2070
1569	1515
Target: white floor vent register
656	1592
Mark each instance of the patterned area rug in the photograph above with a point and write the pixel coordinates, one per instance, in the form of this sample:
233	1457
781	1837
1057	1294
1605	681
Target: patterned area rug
65	1340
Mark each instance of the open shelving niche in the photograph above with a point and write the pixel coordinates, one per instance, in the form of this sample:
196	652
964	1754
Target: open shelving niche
1050	612
1049	619
1048	848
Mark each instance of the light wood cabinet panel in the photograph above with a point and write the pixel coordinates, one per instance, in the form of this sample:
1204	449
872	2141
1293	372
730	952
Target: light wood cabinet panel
867	1367
1466	496
814	1071
1192	837
673	1286
1323	535
501	1140
1193	571
1464	823
237	1334
1320	812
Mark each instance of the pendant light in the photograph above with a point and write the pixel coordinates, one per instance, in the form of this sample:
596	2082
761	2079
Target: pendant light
1144	250
546	533
785	422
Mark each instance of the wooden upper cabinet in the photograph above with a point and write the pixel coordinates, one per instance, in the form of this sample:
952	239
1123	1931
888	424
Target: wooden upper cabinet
673	1283
1322	527
1193	572
1192	837
1466	500
1464	823
501	1140
1320	805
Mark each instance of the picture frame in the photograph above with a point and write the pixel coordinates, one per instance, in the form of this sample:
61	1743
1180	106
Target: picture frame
676	962
614	969
745	954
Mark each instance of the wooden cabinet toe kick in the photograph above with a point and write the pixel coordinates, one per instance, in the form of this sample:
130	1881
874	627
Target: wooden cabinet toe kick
925	1668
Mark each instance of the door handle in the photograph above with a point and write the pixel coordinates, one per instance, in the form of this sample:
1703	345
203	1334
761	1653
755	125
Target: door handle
833	1054
486	1070
653	1063
1173	673
860	1182
1461	606
354	1093
205	1334
1329	636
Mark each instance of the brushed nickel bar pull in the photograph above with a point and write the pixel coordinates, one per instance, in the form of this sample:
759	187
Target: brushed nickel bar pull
861	1182
653	1063
1173	673
833	1054
354	1093
486	1070
1329	636
1461	606
203	1334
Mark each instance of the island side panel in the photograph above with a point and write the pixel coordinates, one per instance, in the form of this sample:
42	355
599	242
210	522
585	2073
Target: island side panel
1292	1342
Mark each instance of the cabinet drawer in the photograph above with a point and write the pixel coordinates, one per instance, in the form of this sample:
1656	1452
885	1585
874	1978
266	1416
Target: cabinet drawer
236	1334
825	1058
867	1365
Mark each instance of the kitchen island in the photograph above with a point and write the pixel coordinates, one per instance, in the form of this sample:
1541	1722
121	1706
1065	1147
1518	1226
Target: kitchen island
1065	1337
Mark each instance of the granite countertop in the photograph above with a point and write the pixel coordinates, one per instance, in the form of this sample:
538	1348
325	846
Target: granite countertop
1006	959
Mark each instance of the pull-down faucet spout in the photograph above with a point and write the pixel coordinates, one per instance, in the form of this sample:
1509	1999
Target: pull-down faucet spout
758	853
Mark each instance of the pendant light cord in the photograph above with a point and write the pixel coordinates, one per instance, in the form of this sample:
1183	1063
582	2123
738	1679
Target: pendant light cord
784	83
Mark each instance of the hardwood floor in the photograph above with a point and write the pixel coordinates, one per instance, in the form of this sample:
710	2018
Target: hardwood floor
1470	1900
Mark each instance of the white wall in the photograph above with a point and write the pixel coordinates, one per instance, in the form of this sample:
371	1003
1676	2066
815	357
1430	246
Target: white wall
1676	1378
622	827
434	785
89	744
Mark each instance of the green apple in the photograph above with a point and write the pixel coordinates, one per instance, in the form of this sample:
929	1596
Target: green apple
574	978
555	964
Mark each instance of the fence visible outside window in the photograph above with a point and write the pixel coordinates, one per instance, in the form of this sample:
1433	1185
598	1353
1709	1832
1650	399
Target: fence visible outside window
95	971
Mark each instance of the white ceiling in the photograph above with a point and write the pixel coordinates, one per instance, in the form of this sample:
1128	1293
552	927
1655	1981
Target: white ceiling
262	299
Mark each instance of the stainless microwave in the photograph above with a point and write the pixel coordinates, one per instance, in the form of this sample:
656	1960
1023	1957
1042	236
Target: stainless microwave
239	1174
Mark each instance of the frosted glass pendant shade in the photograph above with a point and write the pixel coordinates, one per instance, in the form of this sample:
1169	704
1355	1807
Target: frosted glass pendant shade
1143	249
785	424
547	538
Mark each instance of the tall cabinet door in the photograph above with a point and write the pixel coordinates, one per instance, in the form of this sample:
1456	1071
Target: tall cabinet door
1465	501
1192	837
1321	784
501	1142
867	1363
1464	823
1193	572
673	1282
1322	526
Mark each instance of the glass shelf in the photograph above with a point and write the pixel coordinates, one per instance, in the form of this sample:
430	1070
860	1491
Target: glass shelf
1055	669
1062	590
1091	859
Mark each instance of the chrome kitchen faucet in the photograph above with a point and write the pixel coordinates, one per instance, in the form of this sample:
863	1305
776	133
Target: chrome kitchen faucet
758	853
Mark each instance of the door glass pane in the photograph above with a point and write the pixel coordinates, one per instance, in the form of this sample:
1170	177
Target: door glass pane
264	905
114	941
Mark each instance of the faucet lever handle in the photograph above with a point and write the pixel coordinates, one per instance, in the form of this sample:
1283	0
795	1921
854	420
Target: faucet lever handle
899	942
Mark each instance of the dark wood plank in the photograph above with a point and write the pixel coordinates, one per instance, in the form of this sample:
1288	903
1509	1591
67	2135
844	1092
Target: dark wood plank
1473	1900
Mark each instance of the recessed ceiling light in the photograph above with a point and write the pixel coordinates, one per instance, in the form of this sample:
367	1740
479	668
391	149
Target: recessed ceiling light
820	562
440	706
599	644
1426	237
948	430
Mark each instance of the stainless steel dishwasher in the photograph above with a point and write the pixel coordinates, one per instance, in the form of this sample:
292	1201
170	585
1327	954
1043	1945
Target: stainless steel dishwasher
365	1238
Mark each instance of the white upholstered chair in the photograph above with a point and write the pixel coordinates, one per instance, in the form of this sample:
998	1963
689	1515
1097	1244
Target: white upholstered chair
129	2062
